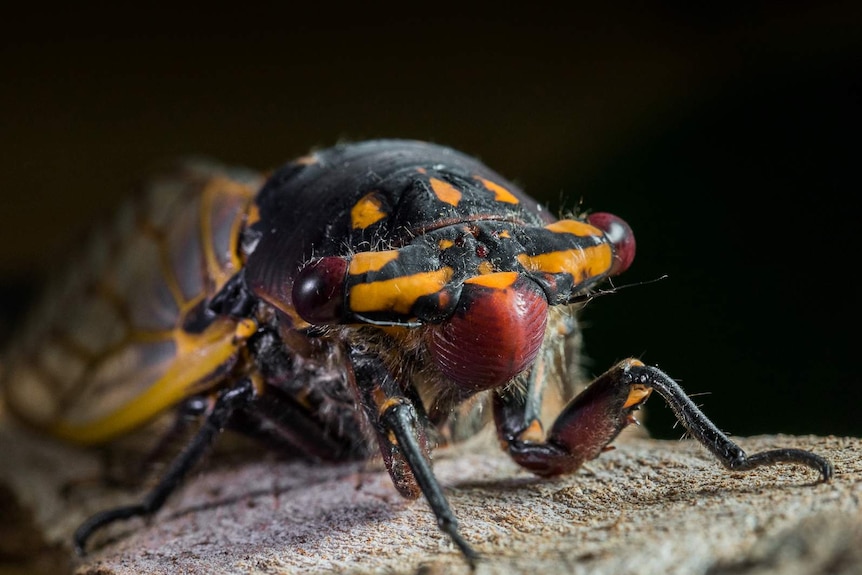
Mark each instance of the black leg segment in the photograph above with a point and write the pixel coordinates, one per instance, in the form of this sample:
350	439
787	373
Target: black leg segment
400	419
701	428
227	402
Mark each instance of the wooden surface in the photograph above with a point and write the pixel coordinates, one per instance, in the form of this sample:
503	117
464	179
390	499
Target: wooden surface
647	507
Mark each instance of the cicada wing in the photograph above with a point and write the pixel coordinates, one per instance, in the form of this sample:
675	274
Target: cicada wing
126	332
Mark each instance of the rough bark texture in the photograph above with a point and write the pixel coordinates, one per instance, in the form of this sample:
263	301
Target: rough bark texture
647	507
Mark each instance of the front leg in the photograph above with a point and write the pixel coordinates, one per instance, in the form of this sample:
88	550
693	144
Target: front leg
593	419
400	432
580	433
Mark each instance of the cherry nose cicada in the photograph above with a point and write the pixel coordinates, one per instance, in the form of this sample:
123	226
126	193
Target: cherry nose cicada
378	297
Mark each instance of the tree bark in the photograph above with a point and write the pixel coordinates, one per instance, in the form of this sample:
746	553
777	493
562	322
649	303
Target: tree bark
648	506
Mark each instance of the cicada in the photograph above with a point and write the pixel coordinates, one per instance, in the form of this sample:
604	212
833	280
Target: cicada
382	297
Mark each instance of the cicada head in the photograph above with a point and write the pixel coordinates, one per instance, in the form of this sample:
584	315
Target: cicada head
479	291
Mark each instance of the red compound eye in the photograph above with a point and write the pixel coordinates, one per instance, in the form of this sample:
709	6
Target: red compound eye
494	334
621	237
318	291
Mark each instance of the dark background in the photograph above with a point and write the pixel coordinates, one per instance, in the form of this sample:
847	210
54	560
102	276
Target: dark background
728	137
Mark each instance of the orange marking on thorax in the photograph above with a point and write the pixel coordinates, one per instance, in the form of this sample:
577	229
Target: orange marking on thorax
501	194
367	211
445	192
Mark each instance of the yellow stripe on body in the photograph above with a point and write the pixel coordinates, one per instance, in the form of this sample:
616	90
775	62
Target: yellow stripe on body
577	262
365	262
499	280
575	228
397	294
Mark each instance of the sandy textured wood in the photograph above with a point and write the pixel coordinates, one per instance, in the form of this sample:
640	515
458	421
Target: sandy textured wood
647	507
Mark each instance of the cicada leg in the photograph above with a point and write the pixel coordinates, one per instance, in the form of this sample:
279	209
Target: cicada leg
188	414
403	443
591	421
227	403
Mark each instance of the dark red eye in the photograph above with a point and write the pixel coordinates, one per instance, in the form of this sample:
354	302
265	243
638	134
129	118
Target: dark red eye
318	291
621	237
494	334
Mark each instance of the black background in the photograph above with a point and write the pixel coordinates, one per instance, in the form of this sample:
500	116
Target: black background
728	137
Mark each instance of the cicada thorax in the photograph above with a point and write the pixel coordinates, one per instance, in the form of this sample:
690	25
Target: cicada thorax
368	197
126	333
